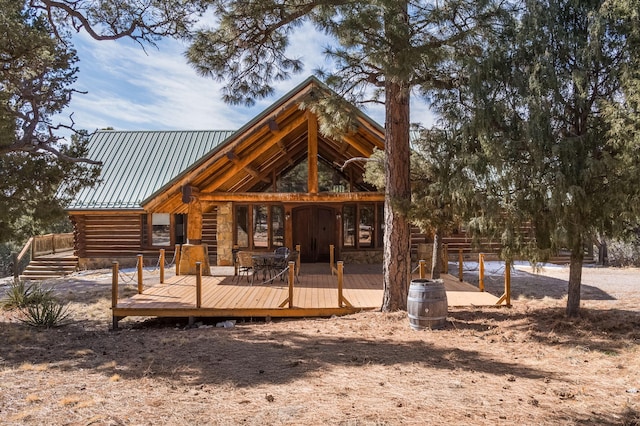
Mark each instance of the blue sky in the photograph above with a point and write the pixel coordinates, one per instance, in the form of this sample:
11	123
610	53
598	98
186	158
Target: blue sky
130	89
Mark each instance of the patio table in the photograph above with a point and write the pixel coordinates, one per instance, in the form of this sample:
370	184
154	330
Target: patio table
266	263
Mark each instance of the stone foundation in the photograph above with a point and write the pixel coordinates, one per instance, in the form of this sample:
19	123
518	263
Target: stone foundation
92	263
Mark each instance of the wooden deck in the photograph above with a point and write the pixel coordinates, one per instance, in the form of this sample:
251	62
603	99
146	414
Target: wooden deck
316	294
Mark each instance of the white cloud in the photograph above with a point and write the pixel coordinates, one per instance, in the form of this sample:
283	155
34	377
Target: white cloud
129	89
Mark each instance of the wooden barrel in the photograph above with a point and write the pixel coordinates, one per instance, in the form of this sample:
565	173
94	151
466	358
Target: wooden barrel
427	304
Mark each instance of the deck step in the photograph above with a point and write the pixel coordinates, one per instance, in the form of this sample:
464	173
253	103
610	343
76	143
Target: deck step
48	268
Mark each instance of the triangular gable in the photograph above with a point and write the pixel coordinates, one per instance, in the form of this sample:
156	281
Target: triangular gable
276	140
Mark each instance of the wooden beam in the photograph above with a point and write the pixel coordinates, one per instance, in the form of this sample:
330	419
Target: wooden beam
194	222
255	153
285	151
266	197
359	146
312	152
250	137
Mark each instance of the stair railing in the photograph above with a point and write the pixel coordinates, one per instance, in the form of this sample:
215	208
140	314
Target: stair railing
39	246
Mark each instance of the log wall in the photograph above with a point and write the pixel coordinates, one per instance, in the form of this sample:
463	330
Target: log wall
100	239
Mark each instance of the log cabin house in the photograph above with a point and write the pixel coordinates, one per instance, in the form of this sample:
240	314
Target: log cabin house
275	182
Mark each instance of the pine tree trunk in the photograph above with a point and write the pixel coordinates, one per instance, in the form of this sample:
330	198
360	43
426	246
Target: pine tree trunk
436	259
575	278
397	235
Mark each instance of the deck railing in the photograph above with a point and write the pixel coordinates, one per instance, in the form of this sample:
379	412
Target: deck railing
40	245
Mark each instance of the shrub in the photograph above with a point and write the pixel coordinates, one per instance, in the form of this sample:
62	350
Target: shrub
21	294
46	313
38	306
624	253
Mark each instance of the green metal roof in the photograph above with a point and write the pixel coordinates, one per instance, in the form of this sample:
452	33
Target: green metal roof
138	163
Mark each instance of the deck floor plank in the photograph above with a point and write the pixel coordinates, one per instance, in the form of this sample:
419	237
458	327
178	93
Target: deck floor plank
313	294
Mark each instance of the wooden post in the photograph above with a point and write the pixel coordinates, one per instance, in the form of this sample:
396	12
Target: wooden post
340	282
198	285
177	256
14	261
422	268
235	260
331	258
481	266
140	278
292	267
161	261
114	292
53	243
194	222
298	260
507	282
460	266
312	153
445	258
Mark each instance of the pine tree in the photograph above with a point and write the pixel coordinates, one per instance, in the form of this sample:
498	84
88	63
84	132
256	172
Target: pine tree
382	50
35	83
551	109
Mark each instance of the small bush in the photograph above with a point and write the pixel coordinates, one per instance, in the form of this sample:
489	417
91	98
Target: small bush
20	295
624	253
46	313
38	306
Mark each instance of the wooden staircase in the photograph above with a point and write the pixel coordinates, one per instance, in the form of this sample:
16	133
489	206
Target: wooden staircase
51	266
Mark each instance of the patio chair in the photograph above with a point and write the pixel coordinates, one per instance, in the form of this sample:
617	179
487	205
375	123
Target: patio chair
245	265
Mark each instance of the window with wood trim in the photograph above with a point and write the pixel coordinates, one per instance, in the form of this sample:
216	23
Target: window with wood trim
362	225
156	229
259	226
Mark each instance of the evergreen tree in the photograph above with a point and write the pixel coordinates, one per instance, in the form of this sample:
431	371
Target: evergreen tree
382	50
441	188
551	110
36	75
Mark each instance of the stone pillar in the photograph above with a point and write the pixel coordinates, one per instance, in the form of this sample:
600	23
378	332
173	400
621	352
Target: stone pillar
192	253
224	228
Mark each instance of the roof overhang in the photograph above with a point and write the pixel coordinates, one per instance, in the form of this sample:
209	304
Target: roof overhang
273	141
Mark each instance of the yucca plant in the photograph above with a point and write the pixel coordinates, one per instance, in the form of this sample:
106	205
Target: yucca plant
46	313
38	306
20	295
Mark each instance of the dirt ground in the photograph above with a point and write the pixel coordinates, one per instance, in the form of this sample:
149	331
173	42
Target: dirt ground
527	364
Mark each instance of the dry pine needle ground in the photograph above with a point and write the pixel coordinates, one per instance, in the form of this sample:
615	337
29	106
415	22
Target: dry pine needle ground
524	365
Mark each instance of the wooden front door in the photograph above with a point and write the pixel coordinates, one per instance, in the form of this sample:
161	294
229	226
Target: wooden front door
314	228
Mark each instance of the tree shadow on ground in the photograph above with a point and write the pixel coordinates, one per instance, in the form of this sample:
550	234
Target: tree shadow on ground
242	355
607	331
627	417
532	286
248	356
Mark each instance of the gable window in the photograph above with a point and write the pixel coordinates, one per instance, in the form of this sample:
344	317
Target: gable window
266	230
294	179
